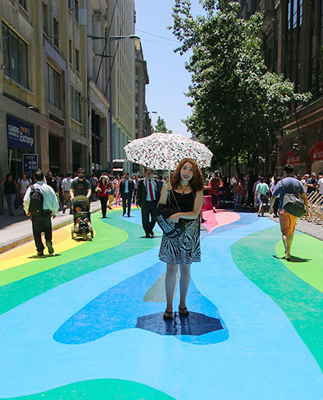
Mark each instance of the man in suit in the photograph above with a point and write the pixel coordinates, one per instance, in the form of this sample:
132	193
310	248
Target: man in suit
125	189
148	194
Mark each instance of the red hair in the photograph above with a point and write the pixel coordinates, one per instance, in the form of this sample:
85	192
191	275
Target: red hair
196	182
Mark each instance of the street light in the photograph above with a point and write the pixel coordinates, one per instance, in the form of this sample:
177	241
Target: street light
111	38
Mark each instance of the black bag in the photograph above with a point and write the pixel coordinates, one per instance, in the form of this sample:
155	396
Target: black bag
293	205
264	198
36	201
170	228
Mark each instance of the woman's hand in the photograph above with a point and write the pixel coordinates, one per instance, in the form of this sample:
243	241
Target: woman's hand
175	217
168	186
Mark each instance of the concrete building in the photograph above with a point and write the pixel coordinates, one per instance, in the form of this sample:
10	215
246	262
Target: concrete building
57	61
293	44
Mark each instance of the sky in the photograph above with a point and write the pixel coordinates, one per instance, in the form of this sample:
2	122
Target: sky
168	78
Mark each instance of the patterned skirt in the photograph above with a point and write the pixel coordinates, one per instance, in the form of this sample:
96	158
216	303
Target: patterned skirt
183	249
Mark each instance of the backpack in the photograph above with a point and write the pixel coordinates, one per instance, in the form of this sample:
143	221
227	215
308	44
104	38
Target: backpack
36	201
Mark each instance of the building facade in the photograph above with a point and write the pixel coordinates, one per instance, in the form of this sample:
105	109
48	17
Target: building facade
65	66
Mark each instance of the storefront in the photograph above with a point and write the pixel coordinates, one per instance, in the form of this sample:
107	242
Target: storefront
315	156
20	141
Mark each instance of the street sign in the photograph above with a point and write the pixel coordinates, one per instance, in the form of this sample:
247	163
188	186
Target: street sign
30	163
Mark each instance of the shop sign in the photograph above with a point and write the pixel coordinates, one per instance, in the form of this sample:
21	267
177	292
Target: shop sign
20	134
30	163
290	158
316	152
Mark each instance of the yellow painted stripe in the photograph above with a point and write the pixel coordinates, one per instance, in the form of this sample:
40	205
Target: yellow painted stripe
22	254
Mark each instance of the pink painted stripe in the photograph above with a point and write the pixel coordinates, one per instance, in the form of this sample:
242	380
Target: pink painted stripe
220	218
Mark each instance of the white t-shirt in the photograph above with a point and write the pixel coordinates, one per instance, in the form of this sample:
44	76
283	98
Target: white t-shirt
320	185
23	185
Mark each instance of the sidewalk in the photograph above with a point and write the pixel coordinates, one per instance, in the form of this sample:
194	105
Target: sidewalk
17	229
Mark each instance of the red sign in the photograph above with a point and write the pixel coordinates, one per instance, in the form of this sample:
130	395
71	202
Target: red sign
316	152
290	158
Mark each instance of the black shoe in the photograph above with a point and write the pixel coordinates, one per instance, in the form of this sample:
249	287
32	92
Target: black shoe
40	254
128	215
64	209
203	220
148	236
122	215
151	233
50	247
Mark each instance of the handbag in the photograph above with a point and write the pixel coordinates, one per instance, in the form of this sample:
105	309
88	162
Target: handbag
293	205
170	228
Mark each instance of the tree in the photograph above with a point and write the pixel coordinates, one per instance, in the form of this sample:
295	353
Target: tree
238	107
161	126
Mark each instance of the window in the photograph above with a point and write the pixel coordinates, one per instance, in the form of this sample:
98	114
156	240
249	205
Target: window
56	32
45	18
53	87
15	56
70	51
77	16
77	60
70	4
76	105
23	3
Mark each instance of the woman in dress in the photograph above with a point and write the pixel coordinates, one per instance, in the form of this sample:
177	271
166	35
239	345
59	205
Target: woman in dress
103	188
187	187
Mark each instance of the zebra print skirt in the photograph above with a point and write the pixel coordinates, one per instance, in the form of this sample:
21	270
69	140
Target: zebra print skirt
183	249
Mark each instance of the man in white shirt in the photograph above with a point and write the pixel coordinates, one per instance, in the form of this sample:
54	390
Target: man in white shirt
320	183
66	186
42	221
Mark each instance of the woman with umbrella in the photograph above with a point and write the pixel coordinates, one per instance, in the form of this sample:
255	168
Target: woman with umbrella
186	187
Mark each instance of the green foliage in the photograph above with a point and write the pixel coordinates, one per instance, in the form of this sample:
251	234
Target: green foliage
161	126
238	107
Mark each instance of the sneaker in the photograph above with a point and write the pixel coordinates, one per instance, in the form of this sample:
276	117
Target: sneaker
50	247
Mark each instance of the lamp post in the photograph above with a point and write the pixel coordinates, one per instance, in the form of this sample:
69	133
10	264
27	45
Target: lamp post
111	38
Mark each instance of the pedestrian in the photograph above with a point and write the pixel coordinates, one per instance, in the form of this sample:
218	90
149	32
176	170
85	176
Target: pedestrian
102	189
42	221
187	188
239	193
80	186
51	181
94	183
111	191
148	195
66	187
311	183
288	221
135	188
215	185
10	192
125	190
116	184
23	184
261	195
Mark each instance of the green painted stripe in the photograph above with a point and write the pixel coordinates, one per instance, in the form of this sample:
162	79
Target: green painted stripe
23	290
100	389
308	265
302	303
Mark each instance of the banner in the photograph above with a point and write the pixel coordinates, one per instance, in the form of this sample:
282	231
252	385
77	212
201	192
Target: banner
20	134
316	152
290	158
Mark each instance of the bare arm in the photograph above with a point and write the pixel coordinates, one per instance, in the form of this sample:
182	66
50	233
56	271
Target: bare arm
191	214
305	201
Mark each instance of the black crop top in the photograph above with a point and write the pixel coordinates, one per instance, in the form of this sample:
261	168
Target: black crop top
185	201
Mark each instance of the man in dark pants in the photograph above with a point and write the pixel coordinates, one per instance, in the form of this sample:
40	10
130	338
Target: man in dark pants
148	194
125	189
42	223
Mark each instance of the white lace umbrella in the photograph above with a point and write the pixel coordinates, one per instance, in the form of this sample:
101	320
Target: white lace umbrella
163	151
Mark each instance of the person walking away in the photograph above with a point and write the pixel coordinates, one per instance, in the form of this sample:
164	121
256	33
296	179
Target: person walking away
288	221
10	192
186	187
215	184
125	189
111	191
148	195
23	184
135	188
261	195
272	189
102	189
40	203
66	187
80	186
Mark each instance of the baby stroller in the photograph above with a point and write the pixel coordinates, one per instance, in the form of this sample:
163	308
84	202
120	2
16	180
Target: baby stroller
82	218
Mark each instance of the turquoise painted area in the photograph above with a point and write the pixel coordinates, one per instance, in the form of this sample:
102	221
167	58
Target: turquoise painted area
262	358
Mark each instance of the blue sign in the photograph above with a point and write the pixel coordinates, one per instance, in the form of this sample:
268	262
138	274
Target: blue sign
30	163
20	134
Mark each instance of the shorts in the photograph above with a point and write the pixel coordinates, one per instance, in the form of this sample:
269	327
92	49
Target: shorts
287	222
